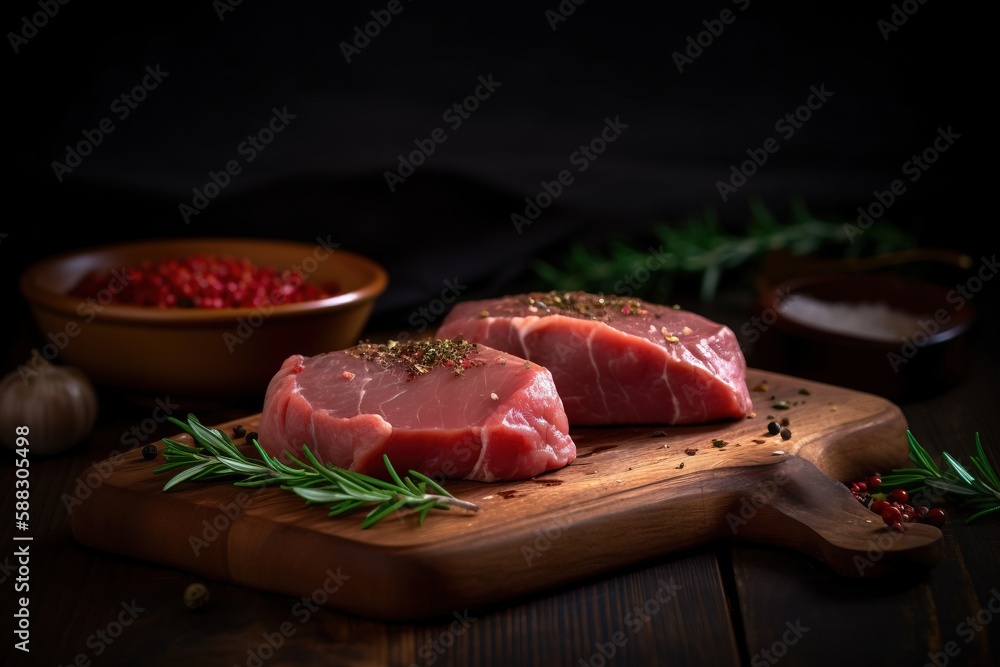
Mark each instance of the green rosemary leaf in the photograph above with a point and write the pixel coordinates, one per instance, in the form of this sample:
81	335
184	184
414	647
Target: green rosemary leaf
175	446
215	457
328	496
411	487
951	487
164	467
983	464
392	471
381	512
345	507
241	466
430	482
258	481
187	474
958	468
988	510
923	458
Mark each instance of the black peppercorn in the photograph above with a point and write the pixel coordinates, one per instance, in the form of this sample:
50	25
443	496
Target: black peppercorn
149	452
239	431
773	428
786	434
251	436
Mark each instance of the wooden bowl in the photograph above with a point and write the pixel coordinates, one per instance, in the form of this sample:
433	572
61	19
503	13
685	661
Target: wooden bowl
834	336
197	353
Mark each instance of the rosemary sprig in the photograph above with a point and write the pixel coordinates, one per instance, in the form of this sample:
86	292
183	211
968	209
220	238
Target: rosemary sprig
981	494
215	457
702	247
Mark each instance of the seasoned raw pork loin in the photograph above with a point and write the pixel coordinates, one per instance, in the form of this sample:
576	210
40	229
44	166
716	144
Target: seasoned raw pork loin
616	360
446	408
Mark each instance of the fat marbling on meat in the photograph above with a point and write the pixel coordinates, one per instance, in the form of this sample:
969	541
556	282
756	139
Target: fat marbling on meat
450	409
616	360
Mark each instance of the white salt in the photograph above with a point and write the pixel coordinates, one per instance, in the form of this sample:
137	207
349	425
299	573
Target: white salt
870	320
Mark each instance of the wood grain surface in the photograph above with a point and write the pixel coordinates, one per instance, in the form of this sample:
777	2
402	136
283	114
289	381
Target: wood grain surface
632	495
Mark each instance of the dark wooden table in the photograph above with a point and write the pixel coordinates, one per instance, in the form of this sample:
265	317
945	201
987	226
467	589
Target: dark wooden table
737	604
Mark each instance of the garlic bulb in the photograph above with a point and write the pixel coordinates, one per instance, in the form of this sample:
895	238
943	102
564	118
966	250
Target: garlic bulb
57	403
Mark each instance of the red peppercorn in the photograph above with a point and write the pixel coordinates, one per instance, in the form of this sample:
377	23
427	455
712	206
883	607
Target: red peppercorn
878	506
862	487
204	281
873	482
892	516
937	517
900	496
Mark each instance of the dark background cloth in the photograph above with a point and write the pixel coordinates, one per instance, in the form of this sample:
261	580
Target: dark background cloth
323	175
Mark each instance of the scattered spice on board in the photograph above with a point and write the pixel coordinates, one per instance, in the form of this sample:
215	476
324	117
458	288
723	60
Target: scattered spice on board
781	405
691	451
716	442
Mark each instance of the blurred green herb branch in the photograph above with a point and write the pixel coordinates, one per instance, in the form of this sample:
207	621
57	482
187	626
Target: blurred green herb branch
701	247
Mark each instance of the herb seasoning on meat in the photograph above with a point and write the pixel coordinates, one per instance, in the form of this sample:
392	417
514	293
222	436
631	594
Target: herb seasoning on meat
421	356
583	305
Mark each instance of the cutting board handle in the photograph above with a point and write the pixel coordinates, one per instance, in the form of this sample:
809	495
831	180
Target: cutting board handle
793	504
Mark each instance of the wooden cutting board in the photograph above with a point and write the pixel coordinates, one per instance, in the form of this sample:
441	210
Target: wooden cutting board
632	495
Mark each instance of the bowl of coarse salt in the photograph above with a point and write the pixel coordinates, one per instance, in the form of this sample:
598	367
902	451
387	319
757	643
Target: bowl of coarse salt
878	332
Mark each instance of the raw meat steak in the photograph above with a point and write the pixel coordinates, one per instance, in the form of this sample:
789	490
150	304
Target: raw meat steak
447	408
616	360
